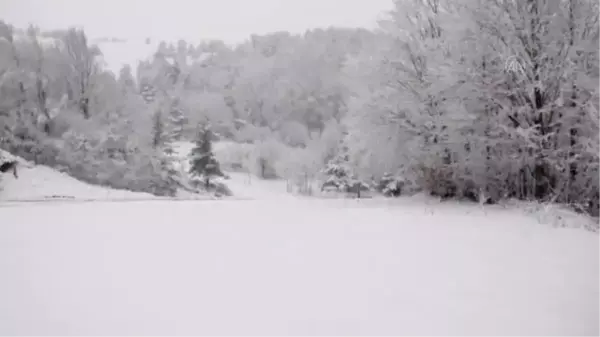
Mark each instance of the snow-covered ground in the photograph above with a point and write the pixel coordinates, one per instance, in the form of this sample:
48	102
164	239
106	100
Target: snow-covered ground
242	267
244	185
38	182
43	183
287	266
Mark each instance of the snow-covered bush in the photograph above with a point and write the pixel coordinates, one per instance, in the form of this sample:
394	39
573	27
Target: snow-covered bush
94	160
33	145
391	185
340	177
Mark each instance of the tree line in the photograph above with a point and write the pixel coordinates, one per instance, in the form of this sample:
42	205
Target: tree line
477	99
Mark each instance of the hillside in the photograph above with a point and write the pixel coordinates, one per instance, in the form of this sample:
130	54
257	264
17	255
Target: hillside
39	183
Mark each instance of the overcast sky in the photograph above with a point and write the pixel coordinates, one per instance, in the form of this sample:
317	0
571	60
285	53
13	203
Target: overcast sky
230	20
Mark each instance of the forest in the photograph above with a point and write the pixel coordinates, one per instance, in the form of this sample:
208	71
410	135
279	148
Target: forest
482	100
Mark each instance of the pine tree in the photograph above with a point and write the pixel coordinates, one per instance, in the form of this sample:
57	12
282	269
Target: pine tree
165	154
126	80
340	175
337	173
177	120
170	176
157	130
203	163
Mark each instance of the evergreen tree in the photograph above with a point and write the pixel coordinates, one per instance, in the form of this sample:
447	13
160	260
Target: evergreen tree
165	154
337	173
126	81
177	120
158	130
170	177
340	175
203	163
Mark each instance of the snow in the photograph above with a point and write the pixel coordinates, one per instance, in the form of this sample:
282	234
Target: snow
42	182
242	185
247	186
37	183
295	267
281	265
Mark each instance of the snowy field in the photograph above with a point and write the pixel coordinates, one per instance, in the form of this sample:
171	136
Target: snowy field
278	264
245	267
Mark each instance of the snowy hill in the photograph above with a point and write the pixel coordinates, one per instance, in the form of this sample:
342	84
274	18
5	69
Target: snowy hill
42	183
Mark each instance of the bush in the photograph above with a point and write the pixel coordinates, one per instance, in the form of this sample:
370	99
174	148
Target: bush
131	168
391	186
219	188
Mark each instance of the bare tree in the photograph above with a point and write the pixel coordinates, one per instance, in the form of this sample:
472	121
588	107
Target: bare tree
83	66
41	78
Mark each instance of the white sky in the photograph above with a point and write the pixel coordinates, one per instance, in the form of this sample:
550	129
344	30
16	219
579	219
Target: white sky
193	20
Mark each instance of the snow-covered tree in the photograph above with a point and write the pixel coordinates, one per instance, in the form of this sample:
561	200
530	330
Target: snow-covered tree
165	154
390	185
339	174
159	134
126	80
81	69
203	163
177	119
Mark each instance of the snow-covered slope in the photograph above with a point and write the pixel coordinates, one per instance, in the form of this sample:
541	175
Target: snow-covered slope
44	183
307	267
38	182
